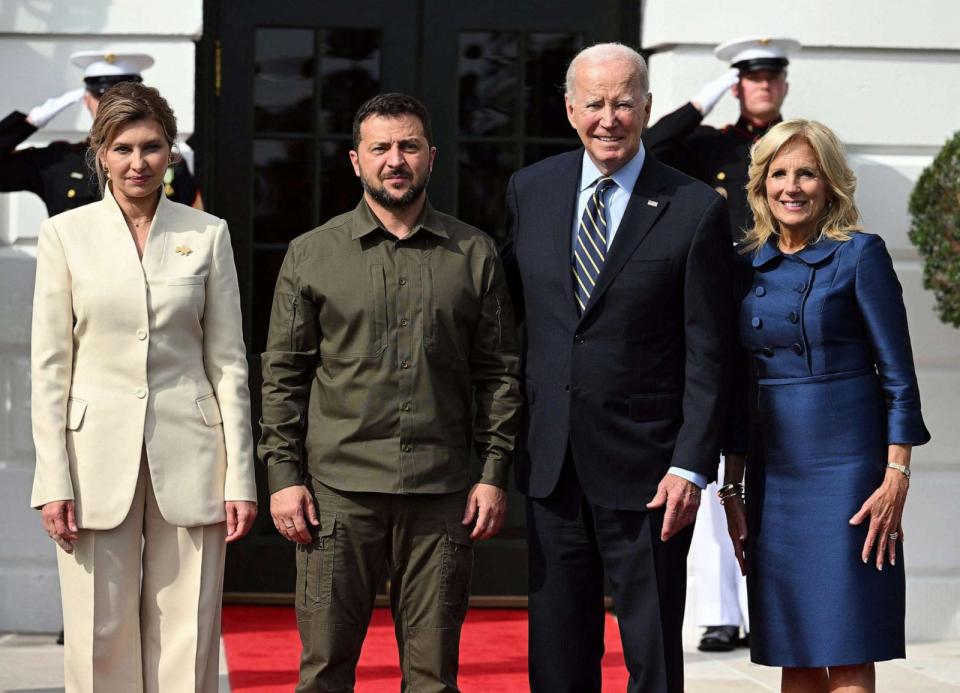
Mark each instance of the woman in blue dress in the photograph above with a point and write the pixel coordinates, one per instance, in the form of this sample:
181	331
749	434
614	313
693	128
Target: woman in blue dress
831	400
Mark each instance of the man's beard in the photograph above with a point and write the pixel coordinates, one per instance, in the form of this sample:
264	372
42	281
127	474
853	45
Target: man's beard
385	199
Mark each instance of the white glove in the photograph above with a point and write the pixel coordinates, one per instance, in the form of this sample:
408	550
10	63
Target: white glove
705	99
45	112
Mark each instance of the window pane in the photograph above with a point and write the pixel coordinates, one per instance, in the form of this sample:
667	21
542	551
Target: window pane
488	76
547	57
266	267
283	189
283	80
484	172
339	187
349	75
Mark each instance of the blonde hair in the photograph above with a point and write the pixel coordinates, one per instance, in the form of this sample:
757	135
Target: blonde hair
840	217
124	104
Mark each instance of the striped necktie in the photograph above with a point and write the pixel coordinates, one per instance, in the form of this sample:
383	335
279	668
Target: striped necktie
590	248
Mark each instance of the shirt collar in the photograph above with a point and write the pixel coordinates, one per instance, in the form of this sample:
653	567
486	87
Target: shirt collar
365	222
625	177
810	255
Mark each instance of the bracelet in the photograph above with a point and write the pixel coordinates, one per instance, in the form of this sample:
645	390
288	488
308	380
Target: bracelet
903	469
728	491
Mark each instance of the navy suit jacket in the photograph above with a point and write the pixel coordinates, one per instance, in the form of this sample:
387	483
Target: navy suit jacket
637	383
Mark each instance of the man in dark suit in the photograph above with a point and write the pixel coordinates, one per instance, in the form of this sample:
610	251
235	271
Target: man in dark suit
621	273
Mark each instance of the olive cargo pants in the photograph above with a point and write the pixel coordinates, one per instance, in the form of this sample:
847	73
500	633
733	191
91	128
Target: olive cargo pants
428	555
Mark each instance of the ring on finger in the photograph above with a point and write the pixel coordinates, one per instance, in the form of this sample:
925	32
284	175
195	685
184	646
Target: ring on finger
893	536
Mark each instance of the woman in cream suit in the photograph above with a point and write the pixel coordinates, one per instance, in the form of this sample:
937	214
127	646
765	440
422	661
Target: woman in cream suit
141	414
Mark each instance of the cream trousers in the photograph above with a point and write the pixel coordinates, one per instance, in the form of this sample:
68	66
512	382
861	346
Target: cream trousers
141	604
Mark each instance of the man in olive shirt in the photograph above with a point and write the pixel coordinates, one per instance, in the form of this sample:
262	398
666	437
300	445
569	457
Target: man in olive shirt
391	355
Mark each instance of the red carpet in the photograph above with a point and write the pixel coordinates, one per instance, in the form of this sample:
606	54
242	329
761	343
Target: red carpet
263	650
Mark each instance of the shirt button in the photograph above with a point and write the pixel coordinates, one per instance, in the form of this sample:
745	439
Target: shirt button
404	364
407	406
798	348
766	351
403	281
403	322
759	291
793	317
141	392
408	448
757	322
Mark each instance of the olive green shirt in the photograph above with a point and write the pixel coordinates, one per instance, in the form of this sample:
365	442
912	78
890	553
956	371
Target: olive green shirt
388	360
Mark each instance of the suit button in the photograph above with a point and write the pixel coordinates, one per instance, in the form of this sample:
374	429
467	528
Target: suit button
578	339
408	448
404	364
403	281
766	351
141	334
798	348
800	287
793	317
407	406
403	322
757	322
760	291
141	392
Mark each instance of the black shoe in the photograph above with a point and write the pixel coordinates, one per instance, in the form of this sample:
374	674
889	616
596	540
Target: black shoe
744	641
720	639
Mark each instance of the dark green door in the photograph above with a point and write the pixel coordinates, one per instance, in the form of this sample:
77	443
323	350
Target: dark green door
279	83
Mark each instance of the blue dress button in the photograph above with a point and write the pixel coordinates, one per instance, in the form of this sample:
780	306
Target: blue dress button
800	287
757	322
759	291
793	317
766	351
798	348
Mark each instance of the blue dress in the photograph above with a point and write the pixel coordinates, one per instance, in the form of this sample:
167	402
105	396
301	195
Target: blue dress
831	384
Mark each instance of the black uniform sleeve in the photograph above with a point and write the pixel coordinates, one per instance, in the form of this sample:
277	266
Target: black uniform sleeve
666	139
19	170
184	186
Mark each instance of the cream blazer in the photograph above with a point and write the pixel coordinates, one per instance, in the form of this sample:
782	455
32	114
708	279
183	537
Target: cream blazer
126	354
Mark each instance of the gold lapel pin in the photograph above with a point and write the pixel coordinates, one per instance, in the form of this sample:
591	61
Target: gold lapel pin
183	250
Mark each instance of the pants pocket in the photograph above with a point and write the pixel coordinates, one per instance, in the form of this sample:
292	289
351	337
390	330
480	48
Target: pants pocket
316	563
456	571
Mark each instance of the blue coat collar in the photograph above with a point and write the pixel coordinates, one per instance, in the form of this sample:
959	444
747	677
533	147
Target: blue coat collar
811	255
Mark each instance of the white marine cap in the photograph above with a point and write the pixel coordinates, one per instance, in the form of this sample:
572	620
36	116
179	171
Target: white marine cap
104	68
757	53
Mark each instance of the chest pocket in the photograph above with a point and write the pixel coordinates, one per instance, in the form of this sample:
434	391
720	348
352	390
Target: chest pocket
354	314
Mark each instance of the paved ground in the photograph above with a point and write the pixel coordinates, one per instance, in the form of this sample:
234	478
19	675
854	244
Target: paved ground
33	664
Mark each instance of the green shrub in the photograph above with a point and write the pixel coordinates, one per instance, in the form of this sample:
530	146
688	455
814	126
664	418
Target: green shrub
935	231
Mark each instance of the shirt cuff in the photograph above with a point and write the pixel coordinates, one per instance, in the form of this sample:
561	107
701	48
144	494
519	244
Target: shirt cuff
496	472
694	478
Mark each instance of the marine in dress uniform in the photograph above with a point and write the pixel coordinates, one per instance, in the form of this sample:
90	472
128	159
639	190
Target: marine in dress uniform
757	78
58	172
720	157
